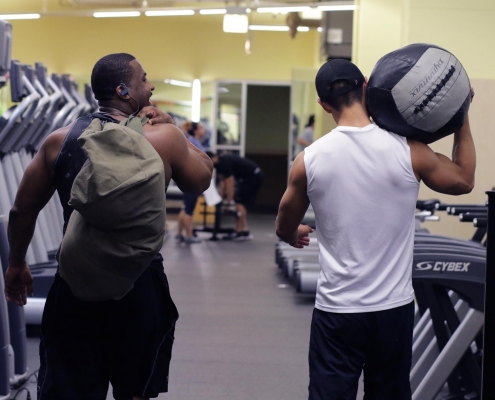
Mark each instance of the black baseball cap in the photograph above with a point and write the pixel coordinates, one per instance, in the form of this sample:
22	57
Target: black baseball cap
332	71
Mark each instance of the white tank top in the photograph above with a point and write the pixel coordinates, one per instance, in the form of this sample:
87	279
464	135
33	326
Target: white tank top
363	191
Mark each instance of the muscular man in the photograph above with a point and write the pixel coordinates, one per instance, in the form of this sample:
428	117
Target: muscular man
363	184
86	345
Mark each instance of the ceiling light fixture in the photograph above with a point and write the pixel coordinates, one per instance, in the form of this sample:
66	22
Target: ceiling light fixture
235	23
338	8
178	83
168	13
213	11
116	14
20	16
303	28
312	13
272	28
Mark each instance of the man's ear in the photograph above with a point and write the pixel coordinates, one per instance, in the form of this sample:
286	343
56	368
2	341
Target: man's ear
325	106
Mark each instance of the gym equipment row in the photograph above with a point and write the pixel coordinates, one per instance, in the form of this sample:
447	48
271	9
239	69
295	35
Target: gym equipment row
43	103
449	285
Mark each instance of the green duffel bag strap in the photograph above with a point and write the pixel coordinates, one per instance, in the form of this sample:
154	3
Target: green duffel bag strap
135	123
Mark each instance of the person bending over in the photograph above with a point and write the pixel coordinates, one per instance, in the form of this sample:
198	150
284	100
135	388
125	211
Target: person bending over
363	183
87	345
195	132
241	180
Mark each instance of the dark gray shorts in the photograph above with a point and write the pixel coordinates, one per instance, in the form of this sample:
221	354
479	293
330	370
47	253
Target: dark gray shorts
344	345
128	343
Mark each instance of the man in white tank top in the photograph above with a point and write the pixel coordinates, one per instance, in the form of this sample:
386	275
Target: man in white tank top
363	185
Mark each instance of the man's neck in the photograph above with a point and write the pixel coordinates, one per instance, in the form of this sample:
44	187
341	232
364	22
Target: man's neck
115	108
355	115
114	112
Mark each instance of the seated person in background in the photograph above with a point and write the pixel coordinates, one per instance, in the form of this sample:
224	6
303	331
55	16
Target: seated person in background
195	133
249	178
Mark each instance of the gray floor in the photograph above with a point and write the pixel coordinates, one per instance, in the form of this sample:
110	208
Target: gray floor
242	333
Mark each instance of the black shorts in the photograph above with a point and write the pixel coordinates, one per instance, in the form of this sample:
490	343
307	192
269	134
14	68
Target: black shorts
128	343
190	201
343	345
247	189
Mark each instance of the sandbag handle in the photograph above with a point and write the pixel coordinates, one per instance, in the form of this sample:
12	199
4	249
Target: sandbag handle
135	123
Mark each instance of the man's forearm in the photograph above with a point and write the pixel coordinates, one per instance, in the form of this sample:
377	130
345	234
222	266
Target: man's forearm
284	232
463	151
20	232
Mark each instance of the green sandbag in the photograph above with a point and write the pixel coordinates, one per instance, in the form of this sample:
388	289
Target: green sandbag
118	223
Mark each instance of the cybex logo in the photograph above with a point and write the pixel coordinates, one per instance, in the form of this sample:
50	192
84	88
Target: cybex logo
443	266
423	266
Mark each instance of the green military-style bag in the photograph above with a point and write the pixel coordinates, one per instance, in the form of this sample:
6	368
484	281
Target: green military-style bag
118	223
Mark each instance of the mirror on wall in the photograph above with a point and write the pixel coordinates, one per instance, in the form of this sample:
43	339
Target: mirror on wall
229	118
303	106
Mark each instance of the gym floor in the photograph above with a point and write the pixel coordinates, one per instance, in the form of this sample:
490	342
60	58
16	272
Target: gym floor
243	333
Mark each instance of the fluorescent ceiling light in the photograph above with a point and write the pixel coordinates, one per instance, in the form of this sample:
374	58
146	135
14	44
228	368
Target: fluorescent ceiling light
178	83
303	29
319	29
235	23
282	10
338	8
312	13
116	14
196	101
20	16
213	11
273	28
167	13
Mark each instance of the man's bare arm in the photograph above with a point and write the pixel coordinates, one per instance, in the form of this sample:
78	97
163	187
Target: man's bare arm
441	174
293	206
189	167
35	190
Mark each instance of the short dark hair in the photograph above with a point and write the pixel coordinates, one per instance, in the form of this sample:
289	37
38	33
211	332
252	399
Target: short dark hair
190	127
108	73
346	99
311	120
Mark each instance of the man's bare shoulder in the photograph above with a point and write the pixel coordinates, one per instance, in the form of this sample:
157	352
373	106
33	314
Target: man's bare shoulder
164	137
53	143
166	131
297	175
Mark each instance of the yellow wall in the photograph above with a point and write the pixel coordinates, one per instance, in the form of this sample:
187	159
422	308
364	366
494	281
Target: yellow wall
463	27
168	47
